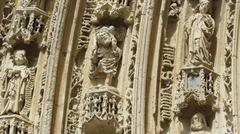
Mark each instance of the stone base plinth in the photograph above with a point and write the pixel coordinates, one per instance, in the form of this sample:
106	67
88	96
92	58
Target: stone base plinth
15	124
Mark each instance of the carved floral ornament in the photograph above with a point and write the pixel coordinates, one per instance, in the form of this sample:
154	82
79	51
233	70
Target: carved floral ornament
112	10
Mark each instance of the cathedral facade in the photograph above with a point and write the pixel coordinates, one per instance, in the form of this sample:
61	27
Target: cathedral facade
119	66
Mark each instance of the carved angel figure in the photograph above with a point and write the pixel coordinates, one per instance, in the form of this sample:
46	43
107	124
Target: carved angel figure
105	55
14	84
199	30
199	124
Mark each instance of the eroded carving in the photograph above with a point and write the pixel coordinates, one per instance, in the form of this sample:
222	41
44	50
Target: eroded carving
197	84
175	9
15	83
15	124
199	30
102	103
199	124
105	55
7	16
112	10
227	76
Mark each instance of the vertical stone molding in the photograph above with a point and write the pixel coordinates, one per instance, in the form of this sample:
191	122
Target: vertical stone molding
119	66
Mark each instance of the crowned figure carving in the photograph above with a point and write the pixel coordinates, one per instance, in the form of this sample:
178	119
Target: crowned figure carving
199	30
14	84
199	124
105	55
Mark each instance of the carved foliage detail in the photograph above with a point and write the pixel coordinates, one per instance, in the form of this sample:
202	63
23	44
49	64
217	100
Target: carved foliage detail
228	66
7	16
73	115
112	10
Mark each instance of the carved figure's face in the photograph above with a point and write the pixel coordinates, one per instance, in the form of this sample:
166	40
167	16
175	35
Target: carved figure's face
204	7
104	38
198	122
20	58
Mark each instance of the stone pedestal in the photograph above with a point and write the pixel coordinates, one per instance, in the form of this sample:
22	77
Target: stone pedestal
101	109
197	86
28	25
15	124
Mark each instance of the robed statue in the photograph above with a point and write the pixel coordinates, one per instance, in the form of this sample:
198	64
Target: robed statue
14	84
105	55
199	30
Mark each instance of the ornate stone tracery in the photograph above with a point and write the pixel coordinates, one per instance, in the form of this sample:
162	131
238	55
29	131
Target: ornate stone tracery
119	66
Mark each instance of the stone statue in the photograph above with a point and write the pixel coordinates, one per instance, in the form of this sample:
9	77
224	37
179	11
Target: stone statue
105	55
199	30
14	84
176	126
199	124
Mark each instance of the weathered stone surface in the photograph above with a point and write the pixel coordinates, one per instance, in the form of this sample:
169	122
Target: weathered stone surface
119	66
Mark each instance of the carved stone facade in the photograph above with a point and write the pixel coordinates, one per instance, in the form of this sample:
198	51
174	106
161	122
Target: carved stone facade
119	66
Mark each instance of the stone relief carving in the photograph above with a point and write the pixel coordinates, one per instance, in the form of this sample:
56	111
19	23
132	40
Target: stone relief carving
26	3
197	84
103	105
74	115
15	125
15	83
227	76
74	102
175	8
7	16
199	31
112	10
199	124
105	55
27	25
176	127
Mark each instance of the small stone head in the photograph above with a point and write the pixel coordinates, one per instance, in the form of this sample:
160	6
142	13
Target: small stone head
198	122
104	36
20	57
204	6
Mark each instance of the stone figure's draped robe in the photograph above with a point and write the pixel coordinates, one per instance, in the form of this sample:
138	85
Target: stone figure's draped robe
15	86
200	28
106	57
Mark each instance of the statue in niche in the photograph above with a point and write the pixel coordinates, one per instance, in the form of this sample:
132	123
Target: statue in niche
105	55
199	124
199	30
14	84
